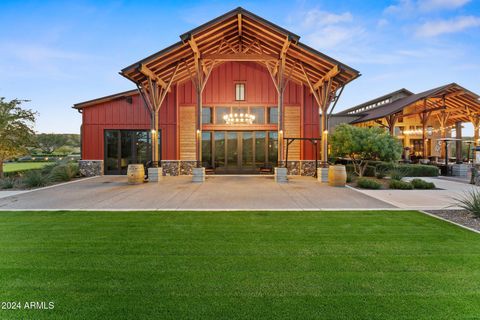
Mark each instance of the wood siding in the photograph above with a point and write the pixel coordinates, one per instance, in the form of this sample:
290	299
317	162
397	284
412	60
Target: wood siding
187	133
293	130
259	88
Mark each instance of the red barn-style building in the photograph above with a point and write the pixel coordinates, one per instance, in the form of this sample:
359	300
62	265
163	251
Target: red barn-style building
225	98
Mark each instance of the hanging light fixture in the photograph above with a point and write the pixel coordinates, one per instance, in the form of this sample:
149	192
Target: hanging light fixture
239	118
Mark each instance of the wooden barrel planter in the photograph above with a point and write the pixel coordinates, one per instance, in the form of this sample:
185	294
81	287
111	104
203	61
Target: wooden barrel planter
337	176
135	173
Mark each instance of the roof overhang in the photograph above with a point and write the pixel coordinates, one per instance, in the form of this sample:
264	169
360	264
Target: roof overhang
238	35
461	104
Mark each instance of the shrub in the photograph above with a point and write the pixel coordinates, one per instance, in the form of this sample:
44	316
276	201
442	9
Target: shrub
365	183
421	170
48	168
398	184
422	184
350	176
7	183
381	172
369	170
74	169
398	173
470	201
34	179
62	173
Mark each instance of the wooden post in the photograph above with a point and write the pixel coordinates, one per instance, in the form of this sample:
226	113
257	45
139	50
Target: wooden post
459	143
475	120
391	121
424	118
443	118
322	91
154	92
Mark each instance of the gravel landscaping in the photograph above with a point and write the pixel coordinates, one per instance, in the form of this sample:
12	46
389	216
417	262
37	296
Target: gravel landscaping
462	217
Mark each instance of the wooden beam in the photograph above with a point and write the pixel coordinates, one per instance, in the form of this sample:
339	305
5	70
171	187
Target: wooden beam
330	74
193	45
285	47
240	57
150	74
239	19
314	92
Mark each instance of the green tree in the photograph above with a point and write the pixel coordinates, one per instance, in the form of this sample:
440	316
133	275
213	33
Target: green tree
48	142
363	145
16	130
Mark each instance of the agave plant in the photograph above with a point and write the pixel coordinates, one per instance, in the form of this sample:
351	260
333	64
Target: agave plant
470	201
398	173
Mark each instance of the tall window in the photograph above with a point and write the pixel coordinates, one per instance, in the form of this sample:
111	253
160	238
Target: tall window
240	91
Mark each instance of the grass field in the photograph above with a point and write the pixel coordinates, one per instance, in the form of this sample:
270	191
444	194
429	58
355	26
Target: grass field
238	265
20	166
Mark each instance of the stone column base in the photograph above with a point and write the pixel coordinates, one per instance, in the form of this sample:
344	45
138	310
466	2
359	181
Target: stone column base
281	175
155	174
322	174
198	175
90	168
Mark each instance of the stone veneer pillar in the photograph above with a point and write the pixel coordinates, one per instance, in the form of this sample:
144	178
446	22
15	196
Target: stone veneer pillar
90	168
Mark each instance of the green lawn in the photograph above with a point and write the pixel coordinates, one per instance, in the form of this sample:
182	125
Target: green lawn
238	265
20	166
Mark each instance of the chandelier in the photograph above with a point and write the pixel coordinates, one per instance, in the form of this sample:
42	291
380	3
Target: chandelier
239	118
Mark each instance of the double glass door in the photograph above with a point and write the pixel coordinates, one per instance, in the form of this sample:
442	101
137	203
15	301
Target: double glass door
124	147
239	151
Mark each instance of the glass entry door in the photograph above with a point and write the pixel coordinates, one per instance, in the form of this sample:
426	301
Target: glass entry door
239	151
124	147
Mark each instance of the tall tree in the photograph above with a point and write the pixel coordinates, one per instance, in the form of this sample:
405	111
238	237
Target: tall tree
363	145
49	142
16	130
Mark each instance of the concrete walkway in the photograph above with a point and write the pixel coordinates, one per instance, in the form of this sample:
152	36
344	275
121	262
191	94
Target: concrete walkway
424	199
179	193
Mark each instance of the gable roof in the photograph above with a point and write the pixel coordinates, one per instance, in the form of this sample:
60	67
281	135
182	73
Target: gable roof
237	33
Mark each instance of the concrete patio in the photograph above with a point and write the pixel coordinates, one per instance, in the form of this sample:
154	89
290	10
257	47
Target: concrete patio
226	192
179	193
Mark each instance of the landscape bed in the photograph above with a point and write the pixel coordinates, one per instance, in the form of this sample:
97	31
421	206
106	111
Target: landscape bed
238	265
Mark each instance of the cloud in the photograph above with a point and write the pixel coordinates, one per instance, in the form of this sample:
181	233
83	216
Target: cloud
408	7
325	30
319	18
430	5
439	27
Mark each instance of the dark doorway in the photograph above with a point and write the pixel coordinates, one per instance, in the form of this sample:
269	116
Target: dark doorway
124	147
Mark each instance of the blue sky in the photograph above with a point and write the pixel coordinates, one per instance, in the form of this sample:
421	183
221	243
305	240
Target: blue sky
57	53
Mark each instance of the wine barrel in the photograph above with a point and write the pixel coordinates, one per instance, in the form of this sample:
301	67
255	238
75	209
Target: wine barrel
135	173
337	176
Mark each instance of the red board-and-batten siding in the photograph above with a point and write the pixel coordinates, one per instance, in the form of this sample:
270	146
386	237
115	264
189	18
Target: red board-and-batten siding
220	90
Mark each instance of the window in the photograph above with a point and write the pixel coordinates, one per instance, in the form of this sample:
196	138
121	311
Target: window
219	113
240	91
207	115
272	115
259	113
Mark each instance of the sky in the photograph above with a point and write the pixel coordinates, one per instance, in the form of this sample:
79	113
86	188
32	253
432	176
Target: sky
58	53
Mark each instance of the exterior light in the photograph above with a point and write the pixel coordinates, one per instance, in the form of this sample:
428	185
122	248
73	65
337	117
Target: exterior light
152	131
325	131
